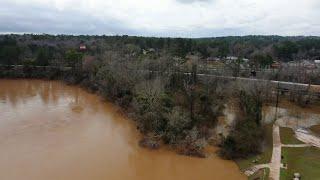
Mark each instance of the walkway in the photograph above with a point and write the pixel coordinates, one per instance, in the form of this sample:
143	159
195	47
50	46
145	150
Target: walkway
256	168
295	145
275	163
307	137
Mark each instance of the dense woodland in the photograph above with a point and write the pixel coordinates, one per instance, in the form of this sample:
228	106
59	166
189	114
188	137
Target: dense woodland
48	49
177	109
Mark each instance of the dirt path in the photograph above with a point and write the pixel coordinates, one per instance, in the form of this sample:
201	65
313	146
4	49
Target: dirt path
275	163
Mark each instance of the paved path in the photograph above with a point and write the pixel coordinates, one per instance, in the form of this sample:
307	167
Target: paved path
307	137
275	163
296	145
256	168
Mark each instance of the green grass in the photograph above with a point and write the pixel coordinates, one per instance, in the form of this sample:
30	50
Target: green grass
264	157
283	174
305	161
287	136
315	129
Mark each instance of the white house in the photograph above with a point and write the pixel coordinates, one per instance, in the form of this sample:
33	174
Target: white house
245	60
231	58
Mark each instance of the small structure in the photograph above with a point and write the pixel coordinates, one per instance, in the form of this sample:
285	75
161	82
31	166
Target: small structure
144	52
245	60
213	59
308	64
148	51
297	176
275	65
82	47
152	50
317	63
231	58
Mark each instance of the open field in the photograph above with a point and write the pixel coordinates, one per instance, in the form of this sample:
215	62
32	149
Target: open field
287	136
305	160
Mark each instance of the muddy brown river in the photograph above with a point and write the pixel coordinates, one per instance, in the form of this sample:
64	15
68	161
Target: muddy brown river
51	131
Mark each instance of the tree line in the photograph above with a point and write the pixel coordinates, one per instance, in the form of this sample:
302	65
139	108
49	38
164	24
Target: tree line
46	49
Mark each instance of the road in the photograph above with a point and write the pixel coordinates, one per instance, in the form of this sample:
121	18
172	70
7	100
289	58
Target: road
282	84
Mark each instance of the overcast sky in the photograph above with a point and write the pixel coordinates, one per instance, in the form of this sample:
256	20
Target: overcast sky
169	18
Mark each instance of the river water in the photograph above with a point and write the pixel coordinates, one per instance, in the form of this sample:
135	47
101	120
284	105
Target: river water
51	131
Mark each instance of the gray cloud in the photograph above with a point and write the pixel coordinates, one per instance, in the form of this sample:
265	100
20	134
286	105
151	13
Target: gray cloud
188	18
35	19
193	1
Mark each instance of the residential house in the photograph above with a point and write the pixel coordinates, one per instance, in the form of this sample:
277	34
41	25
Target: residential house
276	65
82	47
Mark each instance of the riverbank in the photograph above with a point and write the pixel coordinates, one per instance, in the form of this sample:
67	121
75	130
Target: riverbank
53	131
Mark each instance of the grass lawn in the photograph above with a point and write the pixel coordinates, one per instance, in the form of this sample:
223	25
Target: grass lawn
283	174
305	161
315	129
287	136
264	157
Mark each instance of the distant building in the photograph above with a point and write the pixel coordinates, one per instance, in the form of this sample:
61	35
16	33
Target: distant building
275	65
145	52
151	50
317	61
231	58
309	65
148	51
245	60
192	57
82	47
213	59
306	64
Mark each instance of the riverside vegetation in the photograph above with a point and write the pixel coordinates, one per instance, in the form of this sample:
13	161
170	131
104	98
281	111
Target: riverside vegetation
169	106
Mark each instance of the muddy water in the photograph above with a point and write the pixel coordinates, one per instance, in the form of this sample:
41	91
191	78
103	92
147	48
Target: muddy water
56	132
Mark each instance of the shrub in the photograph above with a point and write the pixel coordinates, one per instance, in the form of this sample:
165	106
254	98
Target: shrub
243	141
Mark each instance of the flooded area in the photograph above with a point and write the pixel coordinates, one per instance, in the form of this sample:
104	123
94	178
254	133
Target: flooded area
288	115
292	116
52	131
